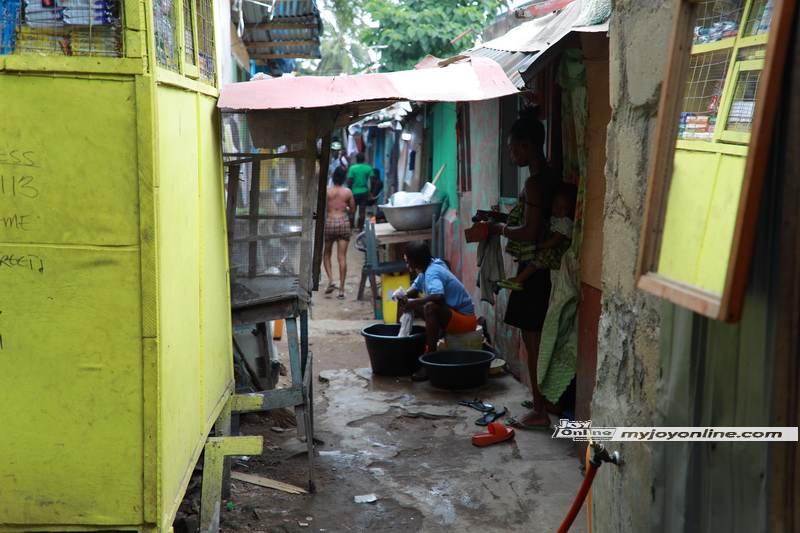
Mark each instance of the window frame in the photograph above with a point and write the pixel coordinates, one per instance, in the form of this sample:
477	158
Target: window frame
728	305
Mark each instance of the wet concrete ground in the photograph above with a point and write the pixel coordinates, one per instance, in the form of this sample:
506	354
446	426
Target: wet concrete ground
404	446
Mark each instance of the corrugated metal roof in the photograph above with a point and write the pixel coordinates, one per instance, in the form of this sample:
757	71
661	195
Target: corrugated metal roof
351	98
513	63
291	30
523	50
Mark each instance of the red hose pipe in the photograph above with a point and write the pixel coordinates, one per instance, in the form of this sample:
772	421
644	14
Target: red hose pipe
579	498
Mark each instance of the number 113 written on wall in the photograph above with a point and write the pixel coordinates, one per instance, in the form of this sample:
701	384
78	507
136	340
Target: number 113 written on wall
18	186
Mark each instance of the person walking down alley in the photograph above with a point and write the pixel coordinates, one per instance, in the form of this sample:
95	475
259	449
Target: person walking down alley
338	159
341	207
438	295
358	175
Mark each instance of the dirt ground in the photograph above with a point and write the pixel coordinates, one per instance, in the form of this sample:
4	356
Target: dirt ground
403	447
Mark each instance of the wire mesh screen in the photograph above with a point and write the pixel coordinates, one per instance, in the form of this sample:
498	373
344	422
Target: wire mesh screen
271	234
717	20
704	85
740	117
61	27
205	40
759	19
188	32
166	34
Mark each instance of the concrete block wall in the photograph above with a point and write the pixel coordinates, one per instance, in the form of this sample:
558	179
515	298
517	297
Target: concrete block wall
628	355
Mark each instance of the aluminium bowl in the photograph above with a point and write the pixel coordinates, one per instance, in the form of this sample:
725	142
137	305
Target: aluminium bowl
413	217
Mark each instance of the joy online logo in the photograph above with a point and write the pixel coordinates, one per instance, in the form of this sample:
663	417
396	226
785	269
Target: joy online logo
582	431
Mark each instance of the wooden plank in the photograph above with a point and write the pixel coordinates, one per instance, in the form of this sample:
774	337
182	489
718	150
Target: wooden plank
288	54
268	310
267	26
259	238
386	234
760	148
273	217
275	44
233	197
255	193
268	483
322	203
216	449
699	301
669	110
93	65
307	168
282	155
784	486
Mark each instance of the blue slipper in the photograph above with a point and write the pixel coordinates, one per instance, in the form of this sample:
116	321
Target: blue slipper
489	417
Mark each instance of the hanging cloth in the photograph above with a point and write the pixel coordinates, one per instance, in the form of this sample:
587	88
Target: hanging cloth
558	350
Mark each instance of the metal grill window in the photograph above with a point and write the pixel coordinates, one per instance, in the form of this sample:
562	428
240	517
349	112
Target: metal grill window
205	40
759	19
166	33
740	117
61	27
701	101
188	32
717	20
267	233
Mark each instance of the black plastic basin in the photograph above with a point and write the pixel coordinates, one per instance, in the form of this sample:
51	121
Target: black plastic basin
457	369
391	355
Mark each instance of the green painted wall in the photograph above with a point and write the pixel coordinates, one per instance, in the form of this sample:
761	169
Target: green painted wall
443	146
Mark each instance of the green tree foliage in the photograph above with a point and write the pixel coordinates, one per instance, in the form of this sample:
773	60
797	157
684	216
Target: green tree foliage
409	30
349	16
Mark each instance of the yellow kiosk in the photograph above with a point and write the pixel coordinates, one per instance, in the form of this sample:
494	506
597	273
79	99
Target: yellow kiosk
115	322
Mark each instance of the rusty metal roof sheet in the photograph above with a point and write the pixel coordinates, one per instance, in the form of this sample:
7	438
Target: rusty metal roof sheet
525	49
511	62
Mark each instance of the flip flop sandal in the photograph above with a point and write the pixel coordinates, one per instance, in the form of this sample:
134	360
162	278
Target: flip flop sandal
340	296
477	404
497	433
330	288
528	404
511	285
490	417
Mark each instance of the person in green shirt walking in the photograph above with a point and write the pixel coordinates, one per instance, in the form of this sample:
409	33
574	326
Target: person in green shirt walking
358	177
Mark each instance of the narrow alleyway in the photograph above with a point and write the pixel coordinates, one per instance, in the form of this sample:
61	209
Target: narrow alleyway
404	447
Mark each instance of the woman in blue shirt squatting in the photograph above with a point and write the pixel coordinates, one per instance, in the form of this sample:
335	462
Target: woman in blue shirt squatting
438	295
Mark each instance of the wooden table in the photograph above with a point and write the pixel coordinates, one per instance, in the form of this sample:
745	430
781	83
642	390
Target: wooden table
386	234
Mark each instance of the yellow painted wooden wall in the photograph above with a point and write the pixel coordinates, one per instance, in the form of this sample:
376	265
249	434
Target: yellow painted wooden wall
701	214
115	316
